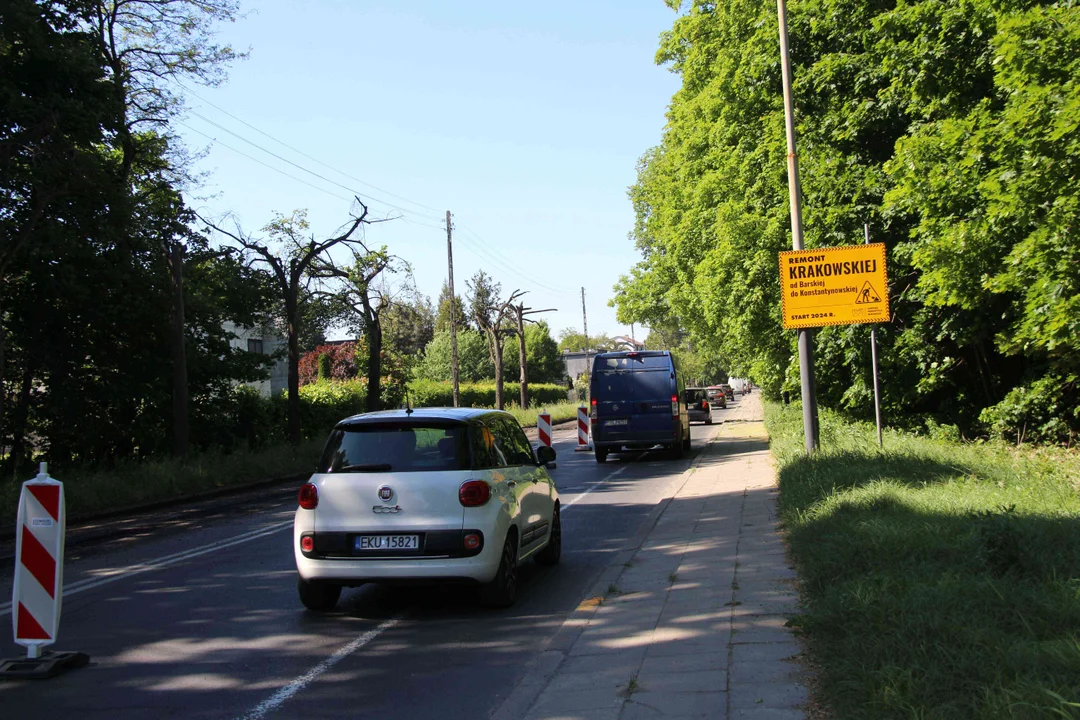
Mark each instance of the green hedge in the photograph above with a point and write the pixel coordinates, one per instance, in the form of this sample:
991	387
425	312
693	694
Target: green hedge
432	393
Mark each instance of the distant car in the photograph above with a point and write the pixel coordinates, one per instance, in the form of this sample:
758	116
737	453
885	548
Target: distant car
698	405
729	391
717	397
425	495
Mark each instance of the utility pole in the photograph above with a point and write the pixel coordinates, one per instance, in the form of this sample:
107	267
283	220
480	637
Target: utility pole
806	346
453	316
585	325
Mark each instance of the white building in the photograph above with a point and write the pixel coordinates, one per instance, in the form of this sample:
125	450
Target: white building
256	340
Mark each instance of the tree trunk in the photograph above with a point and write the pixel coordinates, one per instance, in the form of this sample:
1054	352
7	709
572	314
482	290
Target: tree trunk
21	414
374	343
174	254
498	352
292	313
524	368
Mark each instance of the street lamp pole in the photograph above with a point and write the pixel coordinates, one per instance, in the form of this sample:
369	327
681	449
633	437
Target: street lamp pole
806	345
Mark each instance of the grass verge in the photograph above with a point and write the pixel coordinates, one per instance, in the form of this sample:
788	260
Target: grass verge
131	484
941	580
559	412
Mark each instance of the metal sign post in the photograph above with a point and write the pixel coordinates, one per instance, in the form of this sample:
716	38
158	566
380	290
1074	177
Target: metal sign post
873	356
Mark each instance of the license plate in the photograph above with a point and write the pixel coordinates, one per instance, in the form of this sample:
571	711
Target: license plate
387	542
617	422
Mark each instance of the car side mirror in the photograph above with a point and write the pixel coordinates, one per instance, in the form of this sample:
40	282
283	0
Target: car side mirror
545	456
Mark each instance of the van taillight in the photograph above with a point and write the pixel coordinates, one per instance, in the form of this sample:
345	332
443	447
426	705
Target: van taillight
309	496
592	410
474	493
674	406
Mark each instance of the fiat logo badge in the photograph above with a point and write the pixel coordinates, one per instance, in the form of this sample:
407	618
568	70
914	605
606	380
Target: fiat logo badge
385	493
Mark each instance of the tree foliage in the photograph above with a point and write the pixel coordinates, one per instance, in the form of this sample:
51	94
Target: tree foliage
950	126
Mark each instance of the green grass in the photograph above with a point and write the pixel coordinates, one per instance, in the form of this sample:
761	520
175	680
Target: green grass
138	483
941	580
559	412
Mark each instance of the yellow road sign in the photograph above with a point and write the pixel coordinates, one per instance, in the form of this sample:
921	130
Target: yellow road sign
834	286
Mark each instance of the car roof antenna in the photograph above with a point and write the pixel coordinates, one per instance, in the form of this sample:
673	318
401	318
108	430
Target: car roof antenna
408	405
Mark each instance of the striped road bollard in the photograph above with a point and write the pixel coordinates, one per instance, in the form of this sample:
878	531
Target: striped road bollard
583	441
543	427
39	580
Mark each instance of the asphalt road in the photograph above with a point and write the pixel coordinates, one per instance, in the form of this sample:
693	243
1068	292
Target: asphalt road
193	613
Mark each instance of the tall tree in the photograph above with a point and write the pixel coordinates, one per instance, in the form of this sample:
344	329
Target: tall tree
288	258
55	111
442	318
368	291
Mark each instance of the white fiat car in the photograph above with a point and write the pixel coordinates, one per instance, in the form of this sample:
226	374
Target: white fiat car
425	495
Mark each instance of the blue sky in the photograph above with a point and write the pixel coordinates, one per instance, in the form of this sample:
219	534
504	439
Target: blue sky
524	120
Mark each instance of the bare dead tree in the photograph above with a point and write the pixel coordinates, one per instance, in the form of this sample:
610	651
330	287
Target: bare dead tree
494	317
368	299
521	313
290	267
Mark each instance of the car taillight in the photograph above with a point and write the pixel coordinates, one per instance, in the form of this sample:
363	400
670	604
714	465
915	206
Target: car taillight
592	409
307	543
704	404
674	406
474	493
472	541
309	496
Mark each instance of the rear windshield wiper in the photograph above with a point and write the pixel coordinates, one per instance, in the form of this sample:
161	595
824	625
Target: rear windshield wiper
374	467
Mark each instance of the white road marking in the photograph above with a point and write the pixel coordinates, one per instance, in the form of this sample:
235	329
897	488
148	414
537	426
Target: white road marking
277	699
104	577
596	484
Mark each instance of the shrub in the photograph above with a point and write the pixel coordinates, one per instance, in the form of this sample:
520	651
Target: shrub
322	405
344	364
432	393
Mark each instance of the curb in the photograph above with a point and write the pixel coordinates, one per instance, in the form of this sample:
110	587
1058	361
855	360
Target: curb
540	671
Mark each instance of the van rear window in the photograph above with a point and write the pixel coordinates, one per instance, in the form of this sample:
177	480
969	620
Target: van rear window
643	385
629	362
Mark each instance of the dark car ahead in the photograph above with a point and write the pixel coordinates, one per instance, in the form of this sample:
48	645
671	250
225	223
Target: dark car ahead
636	400
698	406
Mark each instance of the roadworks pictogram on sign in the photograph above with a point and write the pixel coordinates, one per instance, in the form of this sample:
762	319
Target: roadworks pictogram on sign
867	295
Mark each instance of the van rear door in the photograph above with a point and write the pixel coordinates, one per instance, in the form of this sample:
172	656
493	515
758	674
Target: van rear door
633	398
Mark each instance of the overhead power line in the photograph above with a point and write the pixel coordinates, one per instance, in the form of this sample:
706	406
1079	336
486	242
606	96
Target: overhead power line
301	152
266	165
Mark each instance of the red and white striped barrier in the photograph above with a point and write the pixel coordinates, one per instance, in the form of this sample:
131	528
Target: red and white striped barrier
583	441
39	568
543	427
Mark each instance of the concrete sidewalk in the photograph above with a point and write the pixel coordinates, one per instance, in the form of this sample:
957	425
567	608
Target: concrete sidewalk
691	619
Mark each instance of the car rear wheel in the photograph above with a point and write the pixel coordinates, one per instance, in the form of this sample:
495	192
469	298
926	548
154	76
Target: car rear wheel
316	595
601	455
553	550
502	591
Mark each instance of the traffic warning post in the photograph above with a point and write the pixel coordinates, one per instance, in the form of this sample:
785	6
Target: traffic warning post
39	579
583	441
543	428
834	286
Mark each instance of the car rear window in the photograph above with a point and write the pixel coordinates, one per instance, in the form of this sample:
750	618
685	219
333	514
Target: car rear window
692	396
413	446
629	362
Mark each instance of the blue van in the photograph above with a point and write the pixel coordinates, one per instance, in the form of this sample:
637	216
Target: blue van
636	402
